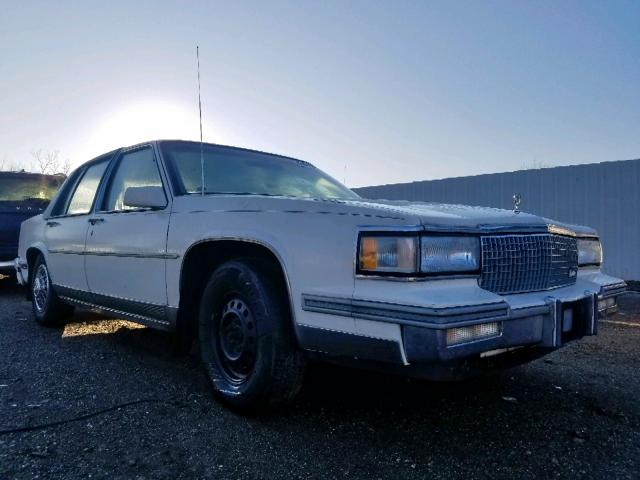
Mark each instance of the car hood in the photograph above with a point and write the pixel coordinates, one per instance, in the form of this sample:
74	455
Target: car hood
440	216
432	216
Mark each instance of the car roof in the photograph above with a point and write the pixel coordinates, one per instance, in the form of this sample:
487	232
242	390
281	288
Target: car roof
166	140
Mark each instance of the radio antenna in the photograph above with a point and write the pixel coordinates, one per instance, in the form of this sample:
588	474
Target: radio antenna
200	114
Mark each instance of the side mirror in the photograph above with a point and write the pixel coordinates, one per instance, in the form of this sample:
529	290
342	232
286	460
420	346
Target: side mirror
145	197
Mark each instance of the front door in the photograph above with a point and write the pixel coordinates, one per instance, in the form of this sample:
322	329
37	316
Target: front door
66	230
126	247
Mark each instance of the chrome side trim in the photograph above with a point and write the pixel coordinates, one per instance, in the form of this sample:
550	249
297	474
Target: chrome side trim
129	316
152	313
428	317
165	256
65	251
313	212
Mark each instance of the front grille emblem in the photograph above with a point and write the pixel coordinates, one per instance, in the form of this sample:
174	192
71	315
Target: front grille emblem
517	200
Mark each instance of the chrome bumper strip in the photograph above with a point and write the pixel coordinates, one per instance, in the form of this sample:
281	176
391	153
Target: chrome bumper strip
612	290
436	318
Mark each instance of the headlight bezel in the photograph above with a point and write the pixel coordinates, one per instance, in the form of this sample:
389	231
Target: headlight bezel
419	236
388	236
595	257
417	272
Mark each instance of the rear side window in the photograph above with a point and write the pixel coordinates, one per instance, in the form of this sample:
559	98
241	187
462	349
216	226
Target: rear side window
135	169
82	198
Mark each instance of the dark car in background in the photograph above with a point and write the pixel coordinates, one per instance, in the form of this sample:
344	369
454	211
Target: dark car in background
22	195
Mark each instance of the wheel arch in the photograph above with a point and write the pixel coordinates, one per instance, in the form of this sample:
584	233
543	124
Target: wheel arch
204	256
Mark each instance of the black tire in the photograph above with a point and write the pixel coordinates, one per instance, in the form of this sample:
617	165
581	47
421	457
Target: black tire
246	337
48	309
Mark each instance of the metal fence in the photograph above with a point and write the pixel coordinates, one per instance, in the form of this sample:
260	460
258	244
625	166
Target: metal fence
605	196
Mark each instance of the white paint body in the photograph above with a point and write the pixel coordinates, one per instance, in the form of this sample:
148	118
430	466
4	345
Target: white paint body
139	256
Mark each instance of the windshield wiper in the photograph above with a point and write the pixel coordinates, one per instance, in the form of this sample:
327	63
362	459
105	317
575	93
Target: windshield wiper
245	193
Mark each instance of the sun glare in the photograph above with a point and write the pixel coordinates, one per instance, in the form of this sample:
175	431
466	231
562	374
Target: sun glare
137	122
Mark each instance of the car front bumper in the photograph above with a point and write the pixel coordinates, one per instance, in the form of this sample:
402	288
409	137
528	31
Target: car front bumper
550	326
425	335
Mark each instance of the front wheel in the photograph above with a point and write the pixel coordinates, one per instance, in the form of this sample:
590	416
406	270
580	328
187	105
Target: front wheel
246	337
48	309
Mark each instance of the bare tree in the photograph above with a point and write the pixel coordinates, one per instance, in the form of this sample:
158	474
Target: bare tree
49	162
65	168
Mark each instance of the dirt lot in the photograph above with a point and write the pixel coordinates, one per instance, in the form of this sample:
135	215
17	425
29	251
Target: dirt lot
129	409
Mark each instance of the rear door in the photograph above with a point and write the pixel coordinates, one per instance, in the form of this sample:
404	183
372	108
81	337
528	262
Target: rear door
126	247
66	229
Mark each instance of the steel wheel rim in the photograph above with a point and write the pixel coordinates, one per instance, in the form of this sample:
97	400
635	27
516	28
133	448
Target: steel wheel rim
236	340
41	288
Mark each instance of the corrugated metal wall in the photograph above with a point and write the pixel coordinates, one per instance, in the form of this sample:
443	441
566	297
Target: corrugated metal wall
605	196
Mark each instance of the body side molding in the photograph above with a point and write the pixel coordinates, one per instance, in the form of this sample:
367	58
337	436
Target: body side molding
158	316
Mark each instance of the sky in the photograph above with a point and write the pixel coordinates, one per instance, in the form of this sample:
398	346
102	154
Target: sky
370	92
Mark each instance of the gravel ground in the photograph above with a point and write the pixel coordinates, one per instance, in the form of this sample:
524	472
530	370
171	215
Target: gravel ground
573	414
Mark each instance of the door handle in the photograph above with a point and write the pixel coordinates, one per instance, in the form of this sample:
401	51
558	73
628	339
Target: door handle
93	221
52	224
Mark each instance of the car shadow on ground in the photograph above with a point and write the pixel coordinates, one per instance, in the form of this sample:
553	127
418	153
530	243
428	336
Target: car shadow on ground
551	416
346	391
326	385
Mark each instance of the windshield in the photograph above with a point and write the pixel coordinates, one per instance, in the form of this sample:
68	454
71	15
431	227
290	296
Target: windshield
233	171
16	188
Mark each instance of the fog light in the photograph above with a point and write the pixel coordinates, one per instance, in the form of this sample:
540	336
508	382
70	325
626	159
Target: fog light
456	336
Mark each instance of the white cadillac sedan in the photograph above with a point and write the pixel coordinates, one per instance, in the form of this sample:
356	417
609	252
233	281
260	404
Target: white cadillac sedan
268	262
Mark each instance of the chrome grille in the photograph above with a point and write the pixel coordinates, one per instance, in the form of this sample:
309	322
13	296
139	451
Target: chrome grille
526	263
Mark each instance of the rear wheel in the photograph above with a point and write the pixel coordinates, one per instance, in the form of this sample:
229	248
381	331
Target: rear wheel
246	337
48	309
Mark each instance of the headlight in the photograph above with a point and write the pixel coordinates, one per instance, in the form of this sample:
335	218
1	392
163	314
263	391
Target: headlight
589	252
450	254
411	254
391	254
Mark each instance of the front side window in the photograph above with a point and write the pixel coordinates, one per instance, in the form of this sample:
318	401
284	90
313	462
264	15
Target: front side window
234	171
85	192
135	169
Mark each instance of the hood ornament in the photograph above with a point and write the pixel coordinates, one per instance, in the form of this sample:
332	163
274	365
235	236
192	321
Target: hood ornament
517	200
